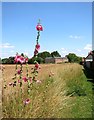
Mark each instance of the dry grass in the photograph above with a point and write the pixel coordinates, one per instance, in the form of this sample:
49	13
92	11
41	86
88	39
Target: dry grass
49	98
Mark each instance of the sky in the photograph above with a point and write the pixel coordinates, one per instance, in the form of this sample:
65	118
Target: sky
67	27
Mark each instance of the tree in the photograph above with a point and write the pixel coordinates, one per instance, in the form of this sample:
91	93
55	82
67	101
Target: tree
9	60
0	60
73	58
44	54
55	54
38	59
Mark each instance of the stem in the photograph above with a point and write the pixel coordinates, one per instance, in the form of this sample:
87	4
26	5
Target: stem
27	70
16	70
21	75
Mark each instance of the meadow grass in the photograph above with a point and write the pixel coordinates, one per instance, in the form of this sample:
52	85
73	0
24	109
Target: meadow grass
65	94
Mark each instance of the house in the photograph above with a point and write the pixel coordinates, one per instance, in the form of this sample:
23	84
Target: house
56	59
89	61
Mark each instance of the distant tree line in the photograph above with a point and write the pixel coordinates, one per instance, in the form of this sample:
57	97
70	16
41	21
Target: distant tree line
73	58
41	58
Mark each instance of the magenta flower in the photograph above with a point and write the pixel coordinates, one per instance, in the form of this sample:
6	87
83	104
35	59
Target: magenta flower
37	66
20	59
26	60
19	81
27	101
35	52
19	72
17	58
39	27
25	79
10	84
37	47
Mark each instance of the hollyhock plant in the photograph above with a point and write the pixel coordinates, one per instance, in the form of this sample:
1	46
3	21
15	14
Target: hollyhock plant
35	52
39	27
19	72
21	59
37	47
10	84
25	79
26	60
24	74
37	66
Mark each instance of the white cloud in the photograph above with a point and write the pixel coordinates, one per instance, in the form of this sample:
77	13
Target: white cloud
88	47
6	45
64	52
75	37
78	50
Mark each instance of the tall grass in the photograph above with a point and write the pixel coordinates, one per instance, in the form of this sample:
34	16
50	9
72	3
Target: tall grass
65	94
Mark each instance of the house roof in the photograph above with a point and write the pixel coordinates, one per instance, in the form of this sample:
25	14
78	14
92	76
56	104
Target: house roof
56	57
90	53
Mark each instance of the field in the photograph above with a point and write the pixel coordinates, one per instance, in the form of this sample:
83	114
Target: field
64	92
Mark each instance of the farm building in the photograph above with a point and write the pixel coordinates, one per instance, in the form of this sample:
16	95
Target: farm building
89	60
56	59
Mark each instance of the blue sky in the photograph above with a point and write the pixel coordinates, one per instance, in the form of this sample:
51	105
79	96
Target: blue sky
67	27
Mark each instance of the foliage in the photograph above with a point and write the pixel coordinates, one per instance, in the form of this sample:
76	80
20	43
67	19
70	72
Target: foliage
73	58
38	59
44	54
9	60
55	54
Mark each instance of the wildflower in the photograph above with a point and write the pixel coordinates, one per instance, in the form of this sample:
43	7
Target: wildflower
27	101
10	84
37	47
37	66
20	59
25	79
39	27
17	58
19	72
19	81
26	60
35	52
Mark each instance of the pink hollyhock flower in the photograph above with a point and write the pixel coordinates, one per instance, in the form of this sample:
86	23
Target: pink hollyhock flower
25	79
19	72
19	81
26	60
37	47
35	52
17	58
39	27
22	60
10	84
37	66
27	101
